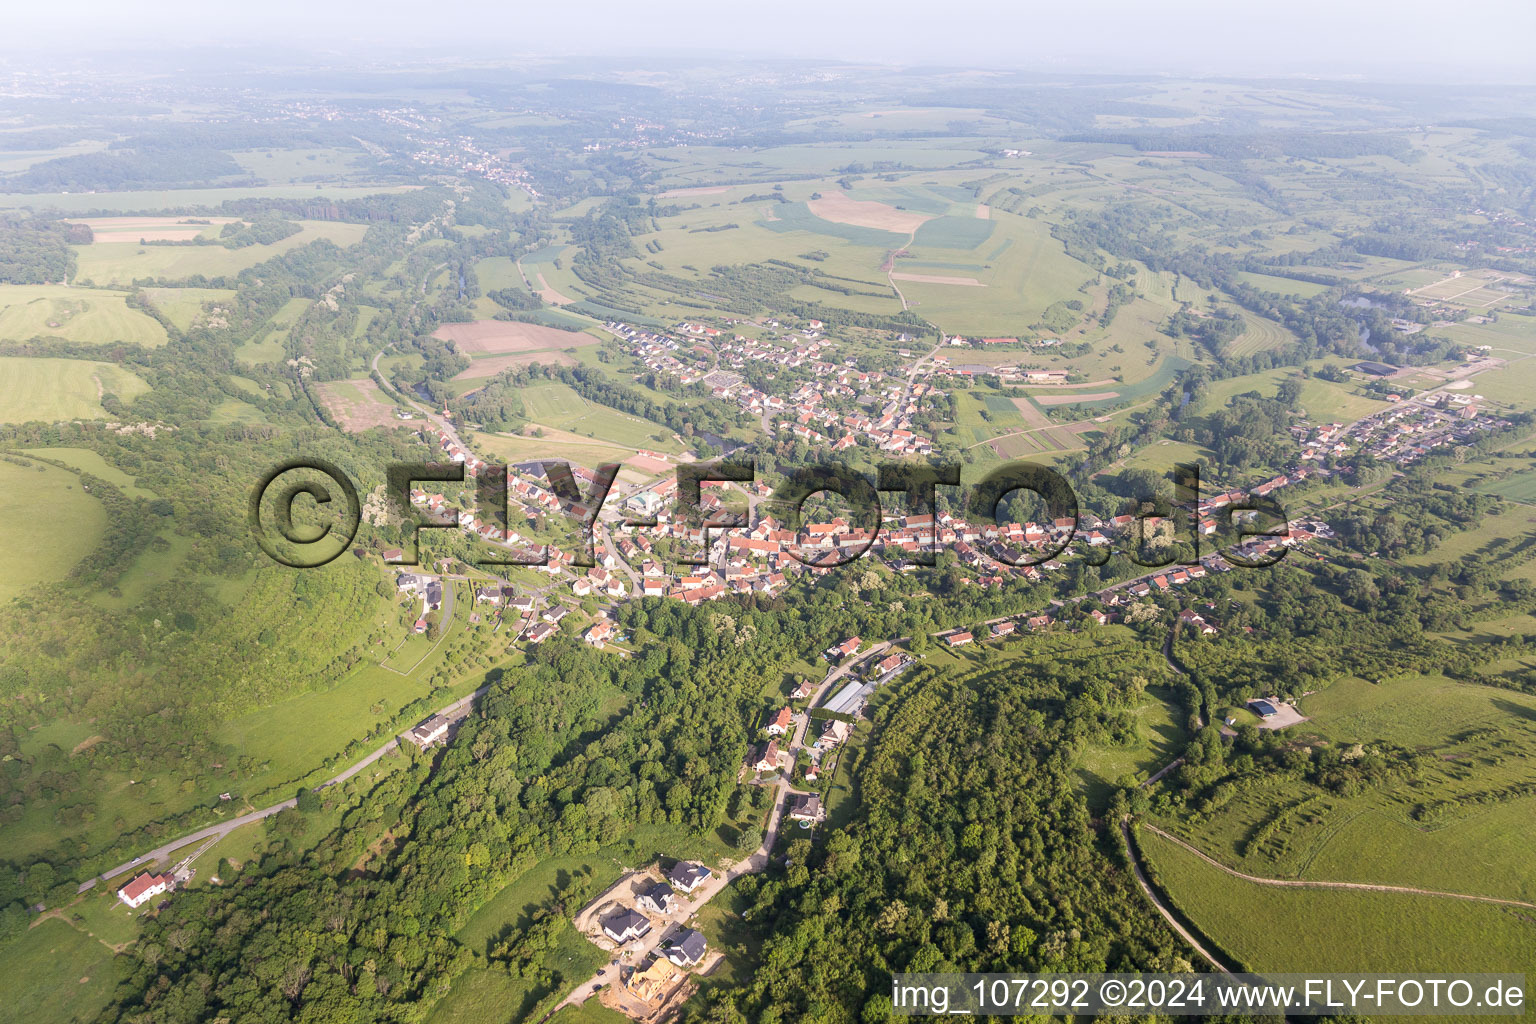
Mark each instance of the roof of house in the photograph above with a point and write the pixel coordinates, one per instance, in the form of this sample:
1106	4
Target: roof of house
686	873
626	920
691	944
145	882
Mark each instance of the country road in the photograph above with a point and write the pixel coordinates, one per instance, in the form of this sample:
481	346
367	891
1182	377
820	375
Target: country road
456	711
1307	883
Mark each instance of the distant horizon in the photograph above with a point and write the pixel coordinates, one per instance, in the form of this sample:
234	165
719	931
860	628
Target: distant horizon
1367	40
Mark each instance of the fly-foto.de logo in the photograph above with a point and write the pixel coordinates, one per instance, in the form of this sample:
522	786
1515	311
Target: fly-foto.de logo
1253	525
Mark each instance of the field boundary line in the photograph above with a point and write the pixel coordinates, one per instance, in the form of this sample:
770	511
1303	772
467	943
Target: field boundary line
1306	883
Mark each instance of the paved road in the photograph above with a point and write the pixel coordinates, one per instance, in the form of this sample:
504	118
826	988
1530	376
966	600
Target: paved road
456	711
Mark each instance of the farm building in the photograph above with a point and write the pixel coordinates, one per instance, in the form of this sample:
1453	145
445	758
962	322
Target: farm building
1263	708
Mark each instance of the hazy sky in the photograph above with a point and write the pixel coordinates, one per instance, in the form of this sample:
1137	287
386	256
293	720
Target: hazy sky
1404	40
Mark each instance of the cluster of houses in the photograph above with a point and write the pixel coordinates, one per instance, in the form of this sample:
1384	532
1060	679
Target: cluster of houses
837	407
682	950
1406	434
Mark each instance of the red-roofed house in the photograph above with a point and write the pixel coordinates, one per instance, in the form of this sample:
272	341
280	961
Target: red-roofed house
144	888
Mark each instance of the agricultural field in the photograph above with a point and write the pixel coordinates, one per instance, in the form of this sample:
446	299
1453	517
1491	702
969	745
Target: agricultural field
300	166
85	202
1520	487
48	523
558	406
1282	285
38	388
138	230
360	404
91	462
497	345
88	316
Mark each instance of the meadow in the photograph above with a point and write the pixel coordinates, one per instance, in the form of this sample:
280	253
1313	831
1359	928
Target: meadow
1158	738
1454	825
81	315
559	406
121	263
182	305
1268	928
91	462
55	973
38	388
156	199
47	525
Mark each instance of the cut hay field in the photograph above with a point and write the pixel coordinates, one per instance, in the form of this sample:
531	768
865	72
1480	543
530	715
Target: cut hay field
358	404
1024	270
152	229
47	525
122	262
499	337
1259	335
555	444
60	389
75	314
1269	928
839	208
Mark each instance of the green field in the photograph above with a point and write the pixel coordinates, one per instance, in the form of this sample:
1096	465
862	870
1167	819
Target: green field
47	525
55	973
74	314
557	405
1159	736
60	389
92	463
1456	824
122	262
1259	335
1519	487
1282	285
182	305
1267	928
156	199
